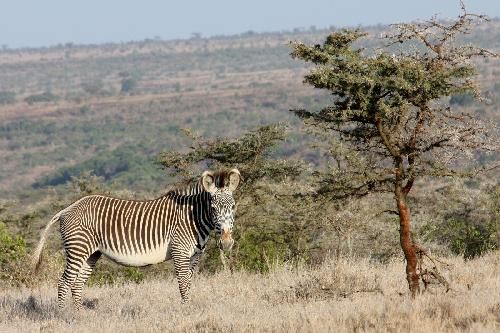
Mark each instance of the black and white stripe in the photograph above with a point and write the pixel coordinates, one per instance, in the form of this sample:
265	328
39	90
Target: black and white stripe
138	233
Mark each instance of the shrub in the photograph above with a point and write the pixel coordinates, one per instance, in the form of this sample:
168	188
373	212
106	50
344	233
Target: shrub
12	248
128	85
93	87
468	228
12	257
41	98
462	99
261	250
465	237
7	97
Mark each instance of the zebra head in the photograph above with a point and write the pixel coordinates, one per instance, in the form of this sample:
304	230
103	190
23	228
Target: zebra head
221	187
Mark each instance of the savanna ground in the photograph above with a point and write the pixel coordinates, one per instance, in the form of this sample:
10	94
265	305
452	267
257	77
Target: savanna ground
341	295
70	126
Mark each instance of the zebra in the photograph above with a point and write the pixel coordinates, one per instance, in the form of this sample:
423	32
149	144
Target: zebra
139	233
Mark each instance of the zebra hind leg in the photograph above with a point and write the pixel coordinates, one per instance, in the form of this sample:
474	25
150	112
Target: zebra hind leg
83	275
74	262
65	281
62	289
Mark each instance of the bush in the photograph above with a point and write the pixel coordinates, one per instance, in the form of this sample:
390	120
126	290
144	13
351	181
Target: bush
128	85
468	228
12	257
466	238
462	99
7	97
41	98
260	251
93	87
11	248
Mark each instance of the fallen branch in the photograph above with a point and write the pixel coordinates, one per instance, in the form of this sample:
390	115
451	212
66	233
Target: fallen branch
431	275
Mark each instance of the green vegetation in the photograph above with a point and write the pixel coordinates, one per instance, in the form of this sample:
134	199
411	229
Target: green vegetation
124	166
95	88
128	85
12	251
467	228
464	99
41	98
7	97
467	238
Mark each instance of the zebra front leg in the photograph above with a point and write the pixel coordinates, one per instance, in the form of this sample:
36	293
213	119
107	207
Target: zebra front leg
184	274
85	272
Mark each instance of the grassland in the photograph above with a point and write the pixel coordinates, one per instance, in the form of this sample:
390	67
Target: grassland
223	86
341	295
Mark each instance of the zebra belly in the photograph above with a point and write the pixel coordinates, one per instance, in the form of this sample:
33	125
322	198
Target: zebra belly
153	256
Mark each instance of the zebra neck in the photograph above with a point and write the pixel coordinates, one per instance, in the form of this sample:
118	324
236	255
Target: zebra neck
194	206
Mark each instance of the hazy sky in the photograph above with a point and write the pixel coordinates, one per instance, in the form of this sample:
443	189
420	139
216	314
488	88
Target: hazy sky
49	22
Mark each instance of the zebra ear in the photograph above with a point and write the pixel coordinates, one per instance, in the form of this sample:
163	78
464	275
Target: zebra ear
234	179
208	181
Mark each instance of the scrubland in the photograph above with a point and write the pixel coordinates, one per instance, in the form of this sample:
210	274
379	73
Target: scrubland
68	128
341	295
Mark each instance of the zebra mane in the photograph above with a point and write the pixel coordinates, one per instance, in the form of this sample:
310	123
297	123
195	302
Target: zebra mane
193	187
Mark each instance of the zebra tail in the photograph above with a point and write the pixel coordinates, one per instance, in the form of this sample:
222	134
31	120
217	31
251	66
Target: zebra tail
36	258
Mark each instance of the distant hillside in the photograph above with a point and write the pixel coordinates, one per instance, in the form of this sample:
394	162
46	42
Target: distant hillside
112	108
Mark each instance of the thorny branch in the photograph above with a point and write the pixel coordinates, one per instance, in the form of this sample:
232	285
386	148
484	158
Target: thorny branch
430	274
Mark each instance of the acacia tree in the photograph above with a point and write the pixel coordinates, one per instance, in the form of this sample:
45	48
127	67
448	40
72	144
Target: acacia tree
249	153
389	120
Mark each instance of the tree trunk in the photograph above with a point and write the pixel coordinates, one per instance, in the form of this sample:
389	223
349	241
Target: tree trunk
406	242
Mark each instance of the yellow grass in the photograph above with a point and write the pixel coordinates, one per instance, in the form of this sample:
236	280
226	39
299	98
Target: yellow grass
340	296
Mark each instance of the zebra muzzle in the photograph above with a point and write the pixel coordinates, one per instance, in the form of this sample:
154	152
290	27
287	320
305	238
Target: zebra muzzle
226	241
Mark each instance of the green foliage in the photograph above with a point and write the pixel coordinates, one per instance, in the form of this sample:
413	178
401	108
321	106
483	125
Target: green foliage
259	249
94	87
249	153
12	248
128	85
107	275
7	97
12	257
262	244
465	99
124	165
102	277
464	237
134	274
85	110
384	111
87	183
467	227
41	98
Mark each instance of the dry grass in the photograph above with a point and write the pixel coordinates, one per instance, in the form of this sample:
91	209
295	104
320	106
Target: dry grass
342	295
